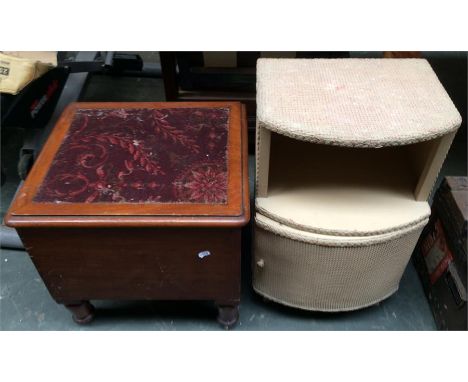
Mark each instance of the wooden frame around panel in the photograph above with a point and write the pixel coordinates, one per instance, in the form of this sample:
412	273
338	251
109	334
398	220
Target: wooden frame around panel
25	212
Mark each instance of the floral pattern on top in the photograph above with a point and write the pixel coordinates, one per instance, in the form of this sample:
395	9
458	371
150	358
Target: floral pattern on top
173	155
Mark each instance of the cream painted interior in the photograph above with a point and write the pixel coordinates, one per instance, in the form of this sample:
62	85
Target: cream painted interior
341	190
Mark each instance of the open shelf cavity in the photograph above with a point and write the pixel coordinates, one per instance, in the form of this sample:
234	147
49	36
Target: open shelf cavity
341	190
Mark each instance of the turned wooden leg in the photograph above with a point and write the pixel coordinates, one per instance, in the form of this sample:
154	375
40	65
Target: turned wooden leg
228	315
82	311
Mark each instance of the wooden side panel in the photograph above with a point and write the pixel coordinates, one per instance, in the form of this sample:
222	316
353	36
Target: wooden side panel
220	59
137	263
278	54
429	159
169	71
263	160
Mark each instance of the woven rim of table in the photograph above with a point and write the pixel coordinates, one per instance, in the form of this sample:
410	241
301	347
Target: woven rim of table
292	233
354	102
286	222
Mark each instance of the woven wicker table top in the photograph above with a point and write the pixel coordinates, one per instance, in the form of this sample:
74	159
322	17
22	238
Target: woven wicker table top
354	102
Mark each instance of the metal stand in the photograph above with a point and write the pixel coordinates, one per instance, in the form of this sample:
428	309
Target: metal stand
77	71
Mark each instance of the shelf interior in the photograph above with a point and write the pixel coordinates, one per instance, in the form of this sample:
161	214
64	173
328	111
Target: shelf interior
341	190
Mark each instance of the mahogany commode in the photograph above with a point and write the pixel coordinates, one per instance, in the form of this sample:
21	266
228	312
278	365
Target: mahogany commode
139	201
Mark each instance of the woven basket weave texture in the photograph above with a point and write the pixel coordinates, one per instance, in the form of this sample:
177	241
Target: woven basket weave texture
332	277
354	102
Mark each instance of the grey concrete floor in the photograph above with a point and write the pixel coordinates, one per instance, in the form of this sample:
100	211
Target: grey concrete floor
26	305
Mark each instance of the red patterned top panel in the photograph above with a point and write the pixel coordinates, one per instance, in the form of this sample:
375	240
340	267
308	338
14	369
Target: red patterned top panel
176	155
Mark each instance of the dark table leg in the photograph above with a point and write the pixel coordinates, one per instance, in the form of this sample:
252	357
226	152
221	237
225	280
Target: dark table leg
228	314
82	311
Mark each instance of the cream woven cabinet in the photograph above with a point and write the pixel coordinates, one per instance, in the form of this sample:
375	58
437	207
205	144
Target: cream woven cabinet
347	153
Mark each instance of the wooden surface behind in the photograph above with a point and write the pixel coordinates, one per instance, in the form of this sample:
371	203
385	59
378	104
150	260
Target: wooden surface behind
24	212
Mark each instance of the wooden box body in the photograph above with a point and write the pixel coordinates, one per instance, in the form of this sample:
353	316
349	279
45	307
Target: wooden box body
139	201
139	263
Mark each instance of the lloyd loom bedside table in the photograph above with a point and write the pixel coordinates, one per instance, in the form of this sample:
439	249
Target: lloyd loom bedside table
139	201
347	153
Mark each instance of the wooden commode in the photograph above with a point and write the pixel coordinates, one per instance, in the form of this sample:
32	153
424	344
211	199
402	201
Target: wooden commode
141	201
